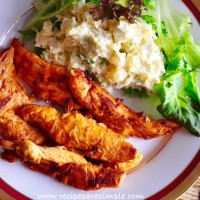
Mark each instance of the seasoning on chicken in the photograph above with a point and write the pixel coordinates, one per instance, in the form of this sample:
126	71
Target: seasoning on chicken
110	111
48	82
12	94
13	127
74	130
68	167
128	165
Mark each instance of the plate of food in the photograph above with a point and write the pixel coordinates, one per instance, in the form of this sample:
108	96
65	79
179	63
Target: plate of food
99	99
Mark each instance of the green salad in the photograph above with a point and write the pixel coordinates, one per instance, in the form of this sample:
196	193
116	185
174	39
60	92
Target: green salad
178	91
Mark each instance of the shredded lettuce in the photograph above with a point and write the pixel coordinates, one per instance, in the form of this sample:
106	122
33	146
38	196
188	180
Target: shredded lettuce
178	90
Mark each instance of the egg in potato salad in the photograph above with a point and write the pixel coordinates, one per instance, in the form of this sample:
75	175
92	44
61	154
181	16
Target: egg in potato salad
119	54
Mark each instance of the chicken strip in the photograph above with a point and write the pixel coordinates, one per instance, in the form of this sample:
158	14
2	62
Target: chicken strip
68	167
122	166
13	127
74	130
129	165
11	156
12	94
118	117
48	82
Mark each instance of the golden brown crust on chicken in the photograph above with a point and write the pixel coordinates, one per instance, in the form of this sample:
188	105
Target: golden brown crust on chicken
46	155
91	177
122	166
68	167
84	177
48	82
12	94
118	117
59	156
7	144
74	130
127	166
9	153
13	127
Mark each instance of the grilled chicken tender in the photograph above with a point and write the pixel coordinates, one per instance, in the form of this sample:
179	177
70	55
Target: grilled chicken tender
68	167
127	166
10	155
48	82
74	130
13	127
116	116
12	94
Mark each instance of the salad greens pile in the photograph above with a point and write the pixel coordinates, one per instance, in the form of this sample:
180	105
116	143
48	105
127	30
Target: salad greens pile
178	91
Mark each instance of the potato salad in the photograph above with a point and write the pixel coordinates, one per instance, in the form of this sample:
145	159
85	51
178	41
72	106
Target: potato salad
119	54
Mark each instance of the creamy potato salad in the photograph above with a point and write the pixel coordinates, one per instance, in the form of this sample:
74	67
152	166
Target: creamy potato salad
118	53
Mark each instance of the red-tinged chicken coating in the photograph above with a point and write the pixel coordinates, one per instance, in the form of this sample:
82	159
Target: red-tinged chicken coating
48	82
12	94
112	112
68	167
74	130
83	177
13	127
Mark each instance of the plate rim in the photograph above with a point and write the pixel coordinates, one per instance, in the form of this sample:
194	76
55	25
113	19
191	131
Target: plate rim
173	190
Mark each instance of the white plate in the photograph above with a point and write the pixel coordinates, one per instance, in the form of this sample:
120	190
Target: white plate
165	158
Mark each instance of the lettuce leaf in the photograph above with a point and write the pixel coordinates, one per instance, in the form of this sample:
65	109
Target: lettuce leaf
93	1
180	99
27	34
40	4
173	31
129	92
177	43
149	14
48	11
